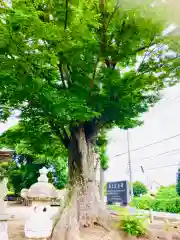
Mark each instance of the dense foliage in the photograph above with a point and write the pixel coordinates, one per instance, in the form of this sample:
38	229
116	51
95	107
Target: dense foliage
166	200
178	182
139	189
32	153
80	65
22	172
3	172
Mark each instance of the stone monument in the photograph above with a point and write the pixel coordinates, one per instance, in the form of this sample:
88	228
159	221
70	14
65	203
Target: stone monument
3	213
39	224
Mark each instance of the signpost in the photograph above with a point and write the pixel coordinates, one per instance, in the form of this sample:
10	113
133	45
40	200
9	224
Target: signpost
118	192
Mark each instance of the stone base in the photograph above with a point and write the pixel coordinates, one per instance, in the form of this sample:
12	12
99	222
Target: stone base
37	238
3	230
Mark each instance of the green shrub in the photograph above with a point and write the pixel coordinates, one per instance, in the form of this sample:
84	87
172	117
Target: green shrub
159	205
169	205
167	192
11	193
166	200
133	226
139	189
144	202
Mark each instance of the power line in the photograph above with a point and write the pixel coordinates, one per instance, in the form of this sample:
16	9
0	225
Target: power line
160	154
172	165
148	145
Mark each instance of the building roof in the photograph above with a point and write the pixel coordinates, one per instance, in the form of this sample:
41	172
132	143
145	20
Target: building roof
5	154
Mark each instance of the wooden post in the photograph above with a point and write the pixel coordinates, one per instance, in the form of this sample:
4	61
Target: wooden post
151	215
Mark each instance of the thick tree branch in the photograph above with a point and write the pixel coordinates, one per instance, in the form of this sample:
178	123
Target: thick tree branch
94	75
64	138
65	134
61	73
67	73
91	129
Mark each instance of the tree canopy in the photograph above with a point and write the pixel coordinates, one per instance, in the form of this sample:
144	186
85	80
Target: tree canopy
64	63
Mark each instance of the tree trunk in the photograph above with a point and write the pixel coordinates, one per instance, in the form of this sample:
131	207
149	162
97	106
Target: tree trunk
83	206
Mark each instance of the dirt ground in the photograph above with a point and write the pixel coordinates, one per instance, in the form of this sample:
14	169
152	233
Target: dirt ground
16	232
18	215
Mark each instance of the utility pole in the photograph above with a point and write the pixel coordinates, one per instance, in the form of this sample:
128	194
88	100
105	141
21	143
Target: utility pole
129	163
148	184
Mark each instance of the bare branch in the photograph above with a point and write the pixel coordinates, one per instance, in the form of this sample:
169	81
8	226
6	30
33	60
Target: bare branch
64	139
144	48
112	15
66	16
65	133
147	53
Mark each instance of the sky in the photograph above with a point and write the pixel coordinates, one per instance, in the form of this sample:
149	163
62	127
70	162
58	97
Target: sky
11	122
161	122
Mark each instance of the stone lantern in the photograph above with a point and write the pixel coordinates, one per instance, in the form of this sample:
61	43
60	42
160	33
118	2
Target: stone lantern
41	194
24	194
3	213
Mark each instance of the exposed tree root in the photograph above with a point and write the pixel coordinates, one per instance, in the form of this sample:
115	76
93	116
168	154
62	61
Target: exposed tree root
83	210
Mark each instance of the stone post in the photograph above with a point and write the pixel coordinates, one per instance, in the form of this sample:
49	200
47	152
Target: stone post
3	213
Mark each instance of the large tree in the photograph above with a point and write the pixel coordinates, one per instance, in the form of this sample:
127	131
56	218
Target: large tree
75	68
